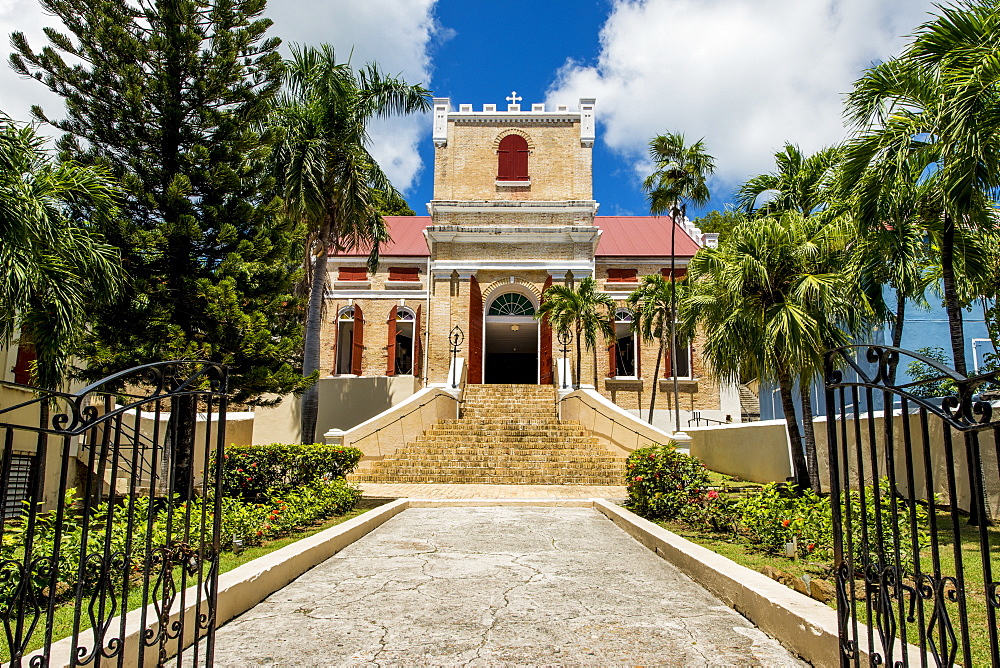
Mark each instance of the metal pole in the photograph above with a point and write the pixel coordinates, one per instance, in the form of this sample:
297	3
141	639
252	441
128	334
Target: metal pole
564	337
455	338
673	318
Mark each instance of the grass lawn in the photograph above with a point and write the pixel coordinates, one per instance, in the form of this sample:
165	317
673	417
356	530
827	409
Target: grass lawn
64	614
747	555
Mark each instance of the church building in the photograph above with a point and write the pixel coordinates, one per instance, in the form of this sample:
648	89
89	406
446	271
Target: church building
513	213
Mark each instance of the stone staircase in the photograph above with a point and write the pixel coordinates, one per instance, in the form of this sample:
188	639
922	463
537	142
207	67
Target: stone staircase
507	435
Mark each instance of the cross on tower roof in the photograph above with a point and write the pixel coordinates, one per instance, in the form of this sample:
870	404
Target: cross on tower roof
513	97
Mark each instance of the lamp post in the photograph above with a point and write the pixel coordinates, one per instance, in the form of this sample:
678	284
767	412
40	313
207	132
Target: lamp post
565	337
455	339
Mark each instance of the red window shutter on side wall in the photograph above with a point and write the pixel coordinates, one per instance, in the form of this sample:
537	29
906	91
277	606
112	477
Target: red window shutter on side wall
404	274
679	273
22	367
622	275
390	358
352	274
474	337
545	354
359	341
512	159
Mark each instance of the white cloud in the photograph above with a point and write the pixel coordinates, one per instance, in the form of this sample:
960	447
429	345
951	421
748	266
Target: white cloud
17	93
395	33
746	75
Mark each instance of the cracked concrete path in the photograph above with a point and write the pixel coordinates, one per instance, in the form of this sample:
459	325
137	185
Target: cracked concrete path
495	586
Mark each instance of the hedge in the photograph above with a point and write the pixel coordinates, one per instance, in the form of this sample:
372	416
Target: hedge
254	472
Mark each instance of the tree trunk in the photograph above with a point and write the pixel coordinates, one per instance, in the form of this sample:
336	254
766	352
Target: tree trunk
897	330
594	349
656	375
183	418
955	327
673	374
800	470
809	434
311	340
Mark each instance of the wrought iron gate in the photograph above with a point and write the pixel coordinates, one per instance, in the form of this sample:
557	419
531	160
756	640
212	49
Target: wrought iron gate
112	558
912	498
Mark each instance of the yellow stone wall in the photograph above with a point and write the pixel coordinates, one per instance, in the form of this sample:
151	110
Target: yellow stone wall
558	165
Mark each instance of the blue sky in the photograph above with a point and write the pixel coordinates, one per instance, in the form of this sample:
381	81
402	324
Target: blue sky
747	75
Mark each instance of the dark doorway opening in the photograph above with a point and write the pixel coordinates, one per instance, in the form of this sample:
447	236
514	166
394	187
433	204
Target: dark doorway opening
507	368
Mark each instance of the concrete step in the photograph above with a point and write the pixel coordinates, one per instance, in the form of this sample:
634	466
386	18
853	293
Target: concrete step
488	479
492	457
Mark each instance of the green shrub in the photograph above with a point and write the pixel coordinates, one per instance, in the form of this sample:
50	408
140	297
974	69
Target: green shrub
777	515
711	512
255	472
252	523
662	481
883	541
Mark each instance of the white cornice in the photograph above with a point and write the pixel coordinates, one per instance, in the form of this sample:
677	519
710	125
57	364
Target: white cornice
376	294
522	116
505	234
464	266
506	207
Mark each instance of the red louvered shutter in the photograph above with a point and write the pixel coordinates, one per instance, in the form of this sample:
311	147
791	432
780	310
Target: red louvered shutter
545	342
512	159
22	367
404	274
475	335
352	274
336	346
417	349
622	275
359	341
390	363
637	342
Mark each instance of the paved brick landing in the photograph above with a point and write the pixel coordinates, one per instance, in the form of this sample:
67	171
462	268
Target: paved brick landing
374	490
494	587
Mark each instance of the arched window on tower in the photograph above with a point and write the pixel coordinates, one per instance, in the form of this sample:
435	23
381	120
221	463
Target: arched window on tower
512	159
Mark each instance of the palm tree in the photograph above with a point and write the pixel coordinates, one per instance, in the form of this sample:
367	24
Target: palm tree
933	112
330	181
680	176
800	183
653	303
54	264
771	299
893	249
805	184
588	312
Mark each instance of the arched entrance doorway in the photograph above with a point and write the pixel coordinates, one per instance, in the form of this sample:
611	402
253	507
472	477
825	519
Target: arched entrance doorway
511	339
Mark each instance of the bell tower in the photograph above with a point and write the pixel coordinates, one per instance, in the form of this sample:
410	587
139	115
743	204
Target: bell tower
512	214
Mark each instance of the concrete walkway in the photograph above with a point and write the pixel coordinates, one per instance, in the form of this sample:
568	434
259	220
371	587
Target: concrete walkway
495	586
374	490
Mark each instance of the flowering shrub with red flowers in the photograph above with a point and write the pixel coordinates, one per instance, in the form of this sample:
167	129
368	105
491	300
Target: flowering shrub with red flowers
255	472
662	481
777	515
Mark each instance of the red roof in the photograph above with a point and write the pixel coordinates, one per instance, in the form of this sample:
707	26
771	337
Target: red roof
622	236
641	236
